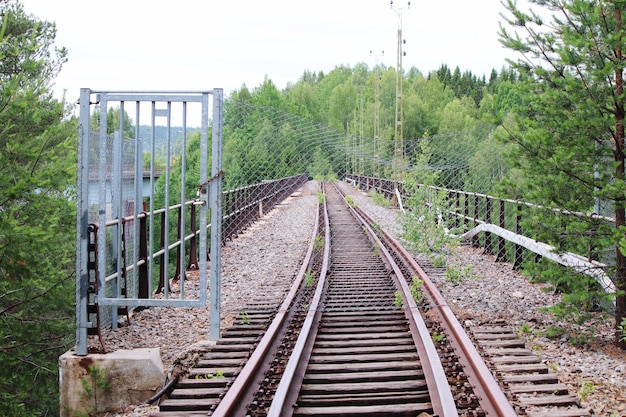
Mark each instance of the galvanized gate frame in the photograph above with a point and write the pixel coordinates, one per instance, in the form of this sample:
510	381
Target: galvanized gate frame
92	240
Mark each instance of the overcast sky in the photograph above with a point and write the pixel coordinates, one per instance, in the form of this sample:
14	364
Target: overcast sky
194	45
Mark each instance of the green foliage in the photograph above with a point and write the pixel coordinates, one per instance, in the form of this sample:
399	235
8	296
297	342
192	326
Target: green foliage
487	166
570	126
397	299
416	289
244	317
438	337
379	199
586	389
581	293
572	334
320	167
463	85
37	216
424	226
439	260
114	122
553	332
309	279
344	100
318	244
457	274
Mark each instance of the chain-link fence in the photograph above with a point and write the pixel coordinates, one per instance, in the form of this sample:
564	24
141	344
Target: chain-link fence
457	173
267	153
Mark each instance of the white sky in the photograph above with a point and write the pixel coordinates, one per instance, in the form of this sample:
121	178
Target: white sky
193	45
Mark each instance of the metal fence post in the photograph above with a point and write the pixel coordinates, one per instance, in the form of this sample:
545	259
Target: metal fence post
216	213
82	221
501	256
488	248
475	240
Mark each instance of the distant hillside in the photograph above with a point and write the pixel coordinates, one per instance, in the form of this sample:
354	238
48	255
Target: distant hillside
160	135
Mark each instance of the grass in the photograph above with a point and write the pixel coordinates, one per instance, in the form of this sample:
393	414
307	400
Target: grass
398	299
309	279
524	329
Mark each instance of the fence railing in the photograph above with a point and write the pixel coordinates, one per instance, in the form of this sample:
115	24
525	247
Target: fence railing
241	207
496	224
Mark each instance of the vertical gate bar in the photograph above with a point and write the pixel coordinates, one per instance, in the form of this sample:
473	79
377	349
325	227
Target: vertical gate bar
179	236
102	214
121	229
204	150
82	220
168	162
152	185
116	213
216	214
181	224
138	199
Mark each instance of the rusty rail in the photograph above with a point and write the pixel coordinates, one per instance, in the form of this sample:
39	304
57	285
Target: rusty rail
491	397
440	395
233	403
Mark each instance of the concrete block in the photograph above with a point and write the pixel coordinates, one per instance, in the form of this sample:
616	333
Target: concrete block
109	382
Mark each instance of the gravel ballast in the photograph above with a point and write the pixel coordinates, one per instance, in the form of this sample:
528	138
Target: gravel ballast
262	262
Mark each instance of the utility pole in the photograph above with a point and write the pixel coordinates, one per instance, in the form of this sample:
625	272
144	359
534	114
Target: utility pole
362	134
377	150
398	153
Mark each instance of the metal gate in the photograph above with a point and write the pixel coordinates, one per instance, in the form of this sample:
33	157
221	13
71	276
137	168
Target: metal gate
143	191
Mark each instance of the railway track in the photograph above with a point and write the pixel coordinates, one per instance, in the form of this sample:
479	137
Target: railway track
534	389
363	354
350	339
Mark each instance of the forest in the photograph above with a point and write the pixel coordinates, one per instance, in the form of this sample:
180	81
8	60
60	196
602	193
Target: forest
557	111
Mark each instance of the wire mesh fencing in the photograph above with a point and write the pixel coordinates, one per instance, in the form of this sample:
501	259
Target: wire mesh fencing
457	175
267	154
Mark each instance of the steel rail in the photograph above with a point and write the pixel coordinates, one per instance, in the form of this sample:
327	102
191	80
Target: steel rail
232	400
491	397
439	390
285	394
438	387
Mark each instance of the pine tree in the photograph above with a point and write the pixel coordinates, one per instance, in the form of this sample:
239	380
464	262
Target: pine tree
572	127
37	220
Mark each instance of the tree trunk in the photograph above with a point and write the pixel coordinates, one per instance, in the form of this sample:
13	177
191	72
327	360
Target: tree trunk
620	203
